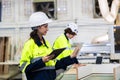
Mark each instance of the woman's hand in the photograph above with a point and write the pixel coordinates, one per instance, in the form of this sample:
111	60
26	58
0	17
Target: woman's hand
46	58
75	52
78	65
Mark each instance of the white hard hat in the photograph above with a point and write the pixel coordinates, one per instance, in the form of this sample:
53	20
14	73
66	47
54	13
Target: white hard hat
38	18
73	27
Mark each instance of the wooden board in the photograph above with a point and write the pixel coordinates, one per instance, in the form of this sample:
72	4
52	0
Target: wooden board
4	54
1	53
7	54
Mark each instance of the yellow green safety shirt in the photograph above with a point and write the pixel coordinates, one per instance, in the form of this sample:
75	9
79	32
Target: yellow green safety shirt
61	42
32	51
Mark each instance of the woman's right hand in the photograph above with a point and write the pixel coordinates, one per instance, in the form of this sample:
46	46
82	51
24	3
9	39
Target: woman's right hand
75	52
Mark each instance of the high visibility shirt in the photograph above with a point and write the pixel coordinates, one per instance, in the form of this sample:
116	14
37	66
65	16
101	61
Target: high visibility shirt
61	42
32	51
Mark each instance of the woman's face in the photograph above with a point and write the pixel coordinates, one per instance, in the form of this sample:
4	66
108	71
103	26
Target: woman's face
70	36
43	29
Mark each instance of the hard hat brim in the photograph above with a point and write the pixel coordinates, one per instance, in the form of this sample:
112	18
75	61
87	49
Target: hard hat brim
48	21
35	25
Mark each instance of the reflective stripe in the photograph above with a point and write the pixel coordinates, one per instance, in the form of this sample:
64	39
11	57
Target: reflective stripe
45	68
23	65
59	71
35	59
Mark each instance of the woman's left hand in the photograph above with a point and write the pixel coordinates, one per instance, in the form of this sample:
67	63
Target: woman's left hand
78	65
46	58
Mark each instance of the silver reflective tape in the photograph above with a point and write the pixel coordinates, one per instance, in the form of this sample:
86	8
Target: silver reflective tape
35	59
23	65
45	68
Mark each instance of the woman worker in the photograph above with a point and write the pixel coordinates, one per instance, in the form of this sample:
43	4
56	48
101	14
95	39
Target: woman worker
63	40
35	62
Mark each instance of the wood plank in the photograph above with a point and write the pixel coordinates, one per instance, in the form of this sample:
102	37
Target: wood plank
10	63
1	53
7	54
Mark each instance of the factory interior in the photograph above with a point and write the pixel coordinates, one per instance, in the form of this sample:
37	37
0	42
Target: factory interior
98	36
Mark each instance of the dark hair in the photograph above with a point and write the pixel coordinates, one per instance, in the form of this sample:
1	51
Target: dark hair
36	38
33	34
68	30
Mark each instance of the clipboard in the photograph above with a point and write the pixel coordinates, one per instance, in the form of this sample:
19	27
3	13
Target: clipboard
56	52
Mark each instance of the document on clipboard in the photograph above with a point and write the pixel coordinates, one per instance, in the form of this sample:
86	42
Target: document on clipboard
56	52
